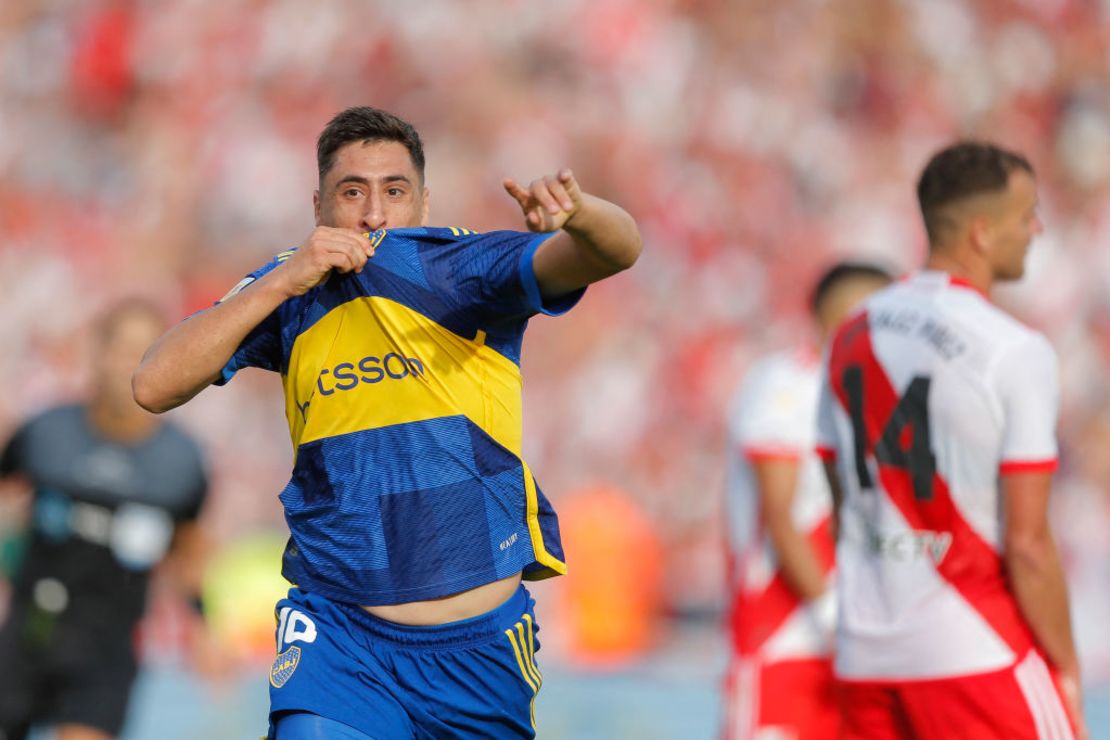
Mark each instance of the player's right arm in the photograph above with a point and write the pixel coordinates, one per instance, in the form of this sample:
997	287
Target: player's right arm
1037	577
770	426
191	356
776	480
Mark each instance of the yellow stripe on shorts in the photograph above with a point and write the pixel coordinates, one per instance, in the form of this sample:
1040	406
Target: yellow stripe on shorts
529	662
532	647
524	672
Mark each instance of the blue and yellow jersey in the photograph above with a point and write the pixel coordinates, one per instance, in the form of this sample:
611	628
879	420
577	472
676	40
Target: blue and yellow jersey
403	396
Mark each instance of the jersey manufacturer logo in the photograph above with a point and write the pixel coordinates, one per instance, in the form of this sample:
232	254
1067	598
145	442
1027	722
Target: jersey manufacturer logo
284	665
371	369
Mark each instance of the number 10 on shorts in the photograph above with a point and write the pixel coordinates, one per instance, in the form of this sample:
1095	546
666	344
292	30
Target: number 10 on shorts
294	626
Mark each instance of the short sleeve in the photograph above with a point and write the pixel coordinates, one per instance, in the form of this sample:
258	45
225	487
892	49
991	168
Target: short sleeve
826	417
1029	390
495	275
261	348
771	415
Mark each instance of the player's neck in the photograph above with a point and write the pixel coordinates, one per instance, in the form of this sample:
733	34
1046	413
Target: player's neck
976	273
117	421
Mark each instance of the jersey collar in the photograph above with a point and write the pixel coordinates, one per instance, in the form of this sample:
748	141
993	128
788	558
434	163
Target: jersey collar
938	276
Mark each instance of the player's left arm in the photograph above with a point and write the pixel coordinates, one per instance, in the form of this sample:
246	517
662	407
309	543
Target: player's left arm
184	568
11	455
183	571
185	562
1029	388
15	497
596	238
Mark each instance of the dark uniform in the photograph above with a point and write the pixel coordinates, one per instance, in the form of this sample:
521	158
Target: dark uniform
104	515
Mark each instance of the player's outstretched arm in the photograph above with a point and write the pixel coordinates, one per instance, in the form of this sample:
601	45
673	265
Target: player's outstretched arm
190	356
598	238
1037	577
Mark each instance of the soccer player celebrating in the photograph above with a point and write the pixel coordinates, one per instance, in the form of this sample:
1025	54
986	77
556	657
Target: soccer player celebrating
412	514
780	541
937	418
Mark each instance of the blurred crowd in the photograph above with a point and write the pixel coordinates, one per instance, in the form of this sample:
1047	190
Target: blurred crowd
166	148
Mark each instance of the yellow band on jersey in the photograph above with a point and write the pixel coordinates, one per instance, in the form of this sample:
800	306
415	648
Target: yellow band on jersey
372	363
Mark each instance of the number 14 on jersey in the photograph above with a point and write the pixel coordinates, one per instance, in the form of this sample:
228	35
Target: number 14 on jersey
904	441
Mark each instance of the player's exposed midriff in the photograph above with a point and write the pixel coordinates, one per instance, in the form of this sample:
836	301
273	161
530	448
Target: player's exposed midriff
451	608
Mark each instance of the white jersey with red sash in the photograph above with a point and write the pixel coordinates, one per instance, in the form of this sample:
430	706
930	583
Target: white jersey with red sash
931	392
773	416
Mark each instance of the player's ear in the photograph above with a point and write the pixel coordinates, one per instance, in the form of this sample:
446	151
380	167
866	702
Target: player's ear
981	233
316	205
425	207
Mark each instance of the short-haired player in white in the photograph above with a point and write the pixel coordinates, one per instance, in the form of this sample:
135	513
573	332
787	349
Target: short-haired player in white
937	420
780	546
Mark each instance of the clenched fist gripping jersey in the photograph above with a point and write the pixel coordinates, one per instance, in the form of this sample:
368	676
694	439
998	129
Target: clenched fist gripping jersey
931	394
403	396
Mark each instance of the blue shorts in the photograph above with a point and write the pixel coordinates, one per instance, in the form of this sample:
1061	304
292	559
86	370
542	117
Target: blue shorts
472	678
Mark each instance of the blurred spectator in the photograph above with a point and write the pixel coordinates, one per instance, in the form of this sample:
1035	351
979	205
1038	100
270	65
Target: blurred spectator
113	488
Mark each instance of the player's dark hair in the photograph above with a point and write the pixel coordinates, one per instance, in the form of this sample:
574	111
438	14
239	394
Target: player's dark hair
959	171
842	272
364	123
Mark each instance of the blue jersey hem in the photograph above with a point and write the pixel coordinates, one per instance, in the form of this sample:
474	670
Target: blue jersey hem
309	583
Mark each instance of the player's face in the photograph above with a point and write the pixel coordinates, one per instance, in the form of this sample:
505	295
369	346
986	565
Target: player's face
119	354
372	185
1015	224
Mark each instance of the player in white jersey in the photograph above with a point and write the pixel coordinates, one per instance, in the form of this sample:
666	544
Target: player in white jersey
937	419
779	682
